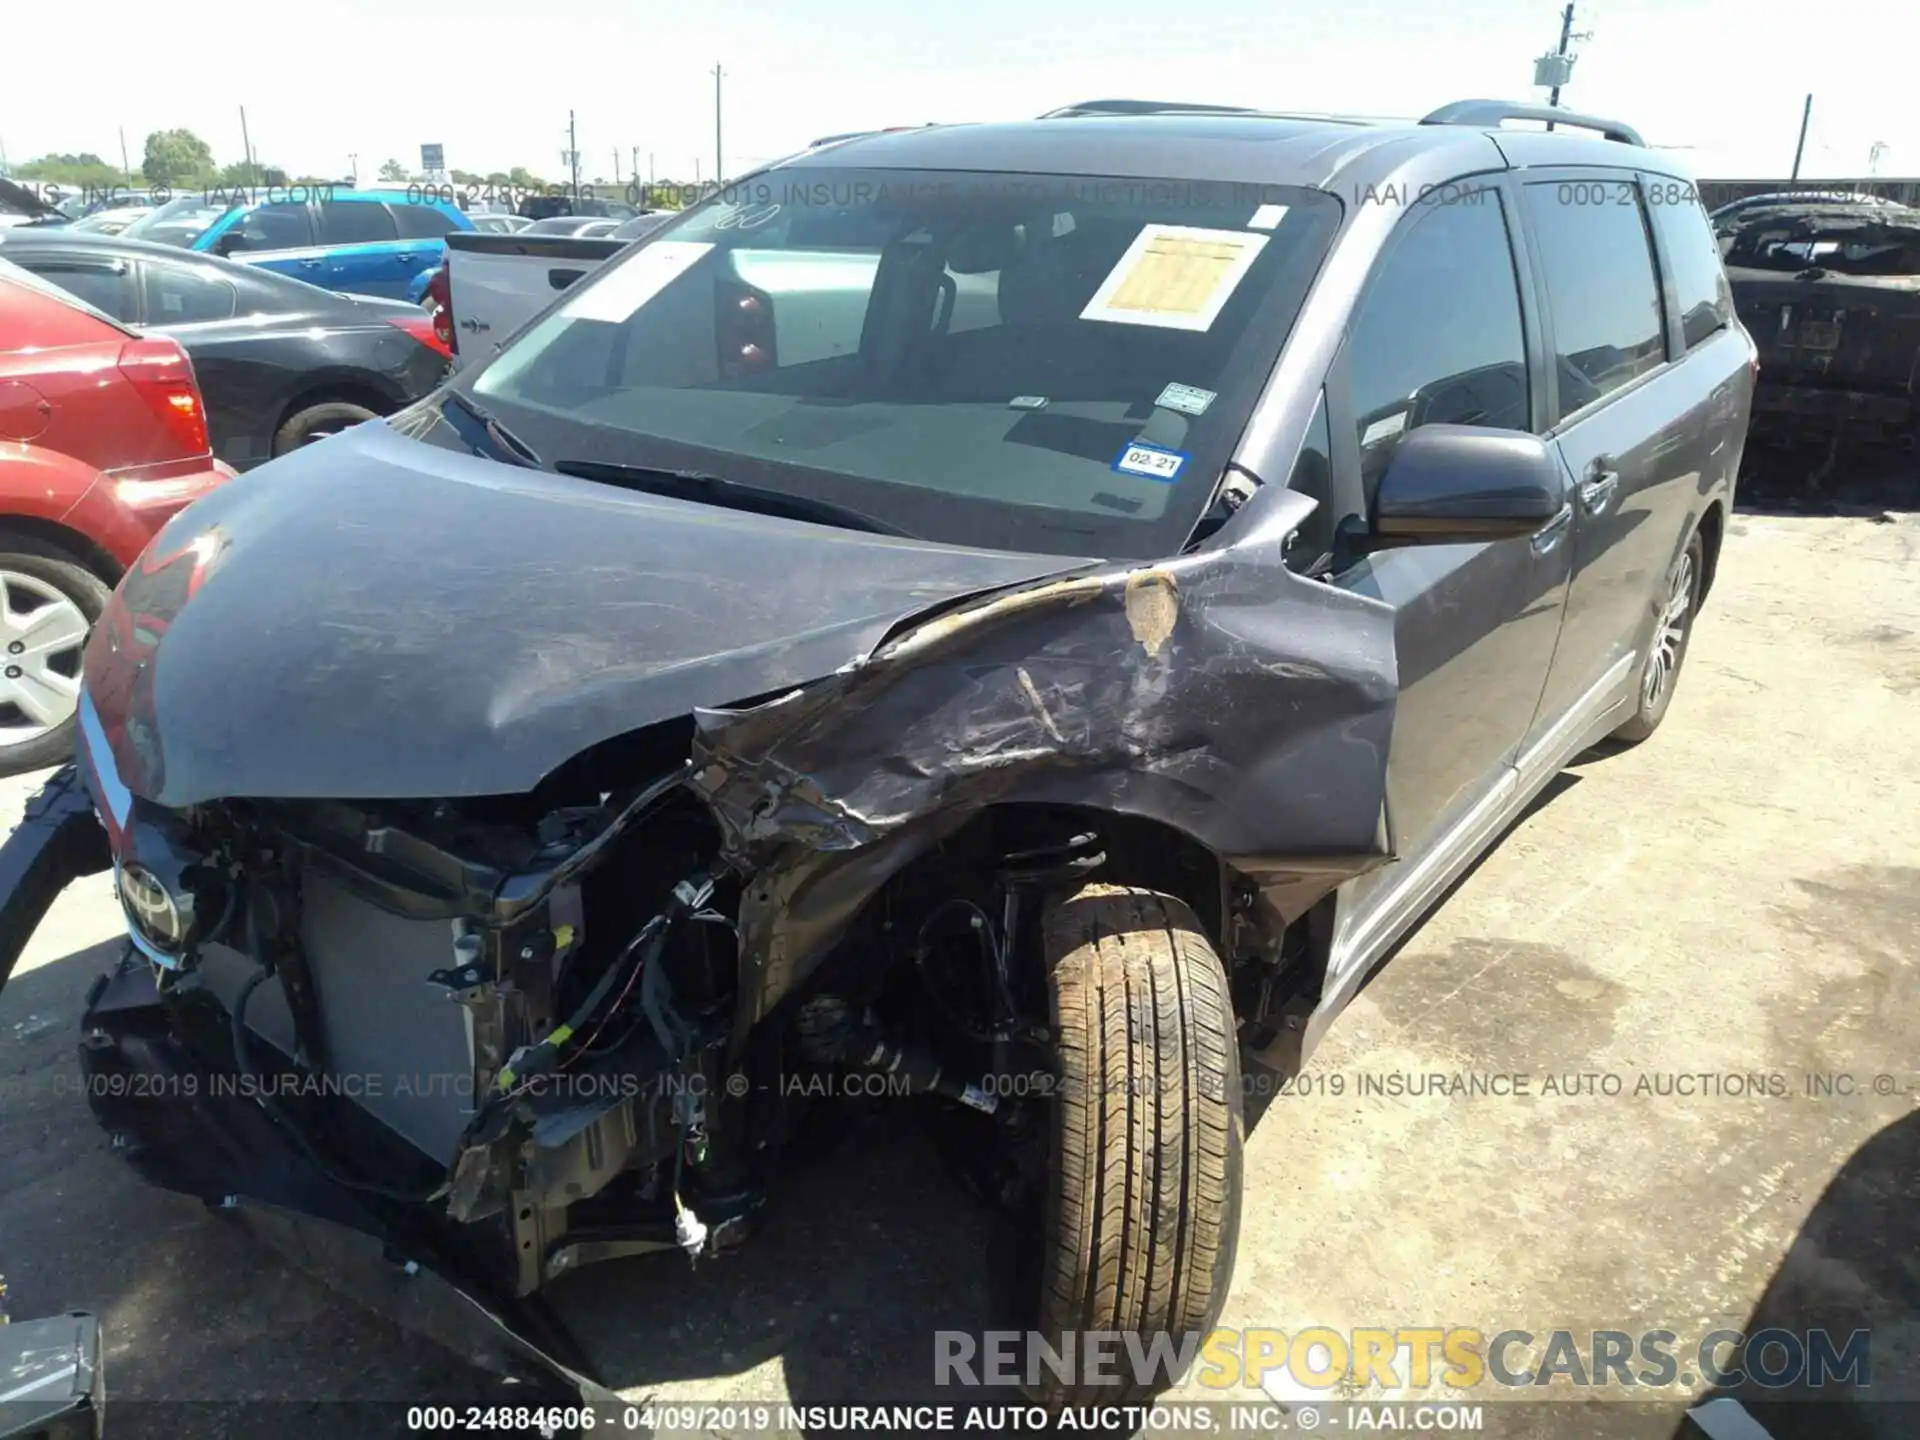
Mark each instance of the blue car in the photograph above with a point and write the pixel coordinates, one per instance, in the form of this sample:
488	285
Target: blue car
363	242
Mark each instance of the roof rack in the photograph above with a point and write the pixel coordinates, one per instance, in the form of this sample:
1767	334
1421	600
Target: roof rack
1494	112
1144	107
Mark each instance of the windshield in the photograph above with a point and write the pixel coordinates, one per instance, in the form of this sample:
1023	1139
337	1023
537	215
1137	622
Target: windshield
1046	363
178	222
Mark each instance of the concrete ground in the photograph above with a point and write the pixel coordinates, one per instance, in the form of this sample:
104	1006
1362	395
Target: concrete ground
1739	897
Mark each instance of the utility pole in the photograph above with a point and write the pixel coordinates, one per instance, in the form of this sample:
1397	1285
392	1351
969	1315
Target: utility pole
1566	39
353	169
636	170
125	168
719	166
247	146
1806	114
616	165
573	157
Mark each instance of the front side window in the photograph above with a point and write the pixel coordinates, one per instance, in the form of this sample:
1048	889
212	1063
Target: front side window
106	287
421	222
1602	295
1438	339
1047	363
1310	546
273	227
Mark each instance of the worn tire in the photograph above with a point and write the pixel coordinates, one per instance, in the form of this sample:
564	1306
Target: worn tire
329	416
89	594
1142	1209
1650	710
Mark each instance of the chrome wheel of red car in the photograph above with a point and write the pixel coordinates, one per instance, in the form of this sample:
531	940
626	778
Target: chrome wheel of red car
42	631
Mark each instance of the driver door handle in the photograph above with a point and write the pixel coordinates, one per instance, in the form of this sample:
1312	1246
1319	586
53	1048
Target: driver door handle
1596	491
1548	537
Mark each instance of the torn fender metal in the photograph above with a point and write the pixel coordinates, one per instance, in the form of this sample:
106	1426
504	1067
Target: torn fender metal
1217	693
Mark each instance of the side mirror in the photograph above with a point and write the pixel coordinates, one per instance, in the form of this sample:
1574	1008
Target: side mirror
1461	484
229	242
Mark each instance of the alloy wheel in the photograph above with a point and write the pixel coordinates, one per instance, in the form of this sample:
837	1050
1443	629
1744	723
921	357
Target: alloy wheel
1670	635
42	632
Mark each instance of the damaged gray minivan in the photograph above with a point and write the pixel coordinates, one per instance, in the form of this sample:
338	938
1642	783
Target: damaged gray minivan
1024	611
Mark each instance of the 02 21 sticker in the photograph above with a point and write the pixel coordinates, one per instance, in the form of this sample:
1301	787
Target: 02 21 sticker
1150	462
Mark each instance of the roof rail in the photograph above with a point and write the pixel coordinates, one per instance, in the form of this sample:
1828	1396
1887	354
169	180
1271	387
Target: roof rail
1144	107
1493	112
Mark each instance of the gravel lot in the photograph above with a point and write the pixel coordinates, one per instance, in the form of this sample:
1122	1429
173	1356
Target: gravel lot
1738	897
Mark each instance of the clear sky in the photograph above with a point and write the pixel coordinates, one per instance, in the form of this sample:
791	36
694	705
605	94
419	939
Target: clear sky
493	80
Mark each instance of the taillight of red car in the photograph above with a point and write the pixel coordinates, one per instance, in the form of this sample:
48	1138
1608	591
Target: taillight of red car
162	375
423	327
440	292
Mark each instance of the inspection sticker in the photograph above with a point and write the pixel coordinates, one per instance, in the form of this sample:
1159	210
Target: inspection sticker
1175	277
1150	462
1187	399
1267	216
618	295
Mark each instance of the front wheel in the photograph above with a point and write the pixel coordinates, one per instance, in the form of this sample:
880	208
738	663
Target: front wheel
1143	1192
1660	666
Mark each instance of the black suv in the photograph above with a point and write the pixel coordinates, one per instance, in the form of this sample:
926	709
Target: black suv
1008	614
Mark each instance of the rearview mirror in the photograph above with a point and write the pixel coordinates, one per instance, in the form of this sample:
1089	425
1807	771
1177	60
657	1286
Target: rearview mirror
1460	484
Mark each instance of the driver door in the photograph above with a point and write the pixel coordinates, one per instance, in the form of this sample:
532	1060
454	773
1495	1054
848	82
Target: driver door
1444	334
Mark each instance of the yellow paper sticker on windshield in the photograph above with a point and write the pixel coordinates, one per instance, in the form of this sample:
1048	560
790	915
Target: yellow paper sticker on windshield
1175	277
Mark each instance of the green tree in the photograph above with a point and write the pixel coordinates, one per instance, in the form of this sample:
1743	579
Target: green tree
392	170
177	157
85	171
241	173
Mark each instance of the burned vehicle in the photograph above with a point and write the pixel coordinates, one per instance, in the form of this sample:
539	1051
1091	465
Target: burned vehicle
1025	611
1830	292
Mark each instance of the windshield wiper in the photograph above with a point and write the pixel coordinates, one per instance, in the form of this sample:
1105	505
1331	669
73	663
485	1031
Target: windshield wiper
506	445
706	489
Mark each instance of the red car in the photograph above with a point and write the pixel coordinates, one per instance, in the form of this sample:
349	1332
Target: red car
103	437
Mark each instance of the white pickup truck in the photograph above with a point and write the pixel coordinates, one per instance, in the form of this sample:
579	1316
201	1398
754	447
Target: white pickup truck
491	285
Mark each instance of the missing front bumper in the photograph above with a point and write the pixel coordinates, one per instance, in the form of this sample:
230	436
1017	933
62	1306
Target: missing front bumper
185	1130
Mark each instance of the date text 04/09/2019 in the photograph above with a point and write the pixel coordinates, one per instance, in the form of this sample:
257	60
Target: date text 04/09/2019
827	1420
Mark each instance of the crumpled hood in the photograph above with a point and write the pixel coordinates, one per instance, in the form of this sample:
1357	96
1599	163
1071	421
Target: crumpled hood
377	618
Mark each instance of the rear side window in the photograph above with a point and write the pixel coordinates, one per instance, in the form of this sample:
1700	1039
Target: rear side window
1602	297
1438	340
421	222
1700	287
178	296
355	222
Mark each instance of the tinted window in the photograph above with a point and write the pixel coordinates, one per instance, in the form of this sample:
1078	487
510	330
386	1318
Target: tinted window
274	227
1601	293
421	222
178	296
355	222
108	288
1438	339
1693	260
1313	475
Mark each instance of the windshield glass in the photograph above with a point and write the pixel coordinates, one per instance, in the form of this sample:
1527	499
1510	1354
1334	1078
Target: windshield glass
178	222
1047	363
